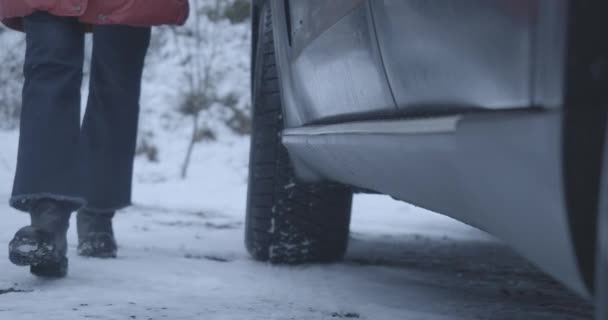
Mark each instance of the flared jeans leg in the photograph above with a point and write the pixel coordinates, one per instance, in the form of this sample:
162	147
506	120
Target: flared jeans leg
109	129
50	115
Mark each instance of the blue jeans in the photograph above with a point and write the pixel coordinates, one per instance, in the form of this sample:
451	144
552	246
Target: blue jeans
88	166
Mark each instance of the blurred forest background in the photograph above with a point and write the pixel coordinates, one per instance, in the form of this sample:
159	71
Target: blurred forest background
195	86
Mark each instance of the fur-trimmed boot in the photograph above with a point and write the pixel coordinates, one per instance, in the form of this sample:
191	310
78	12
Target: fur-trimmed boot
95	234
43	244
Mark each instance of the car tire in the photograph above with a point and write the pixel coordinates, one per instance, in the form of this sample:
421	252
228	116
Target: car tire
287	222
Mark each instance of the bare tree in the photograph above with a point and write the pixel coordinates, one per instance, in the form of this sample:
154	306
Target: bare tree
201	92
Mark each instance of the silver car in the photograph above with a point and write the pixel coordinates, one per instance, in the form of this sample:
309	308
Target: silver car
492	112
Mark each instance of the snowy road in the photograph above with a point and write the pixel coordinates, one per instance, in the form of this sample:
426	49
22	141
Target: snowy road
191	265
182	257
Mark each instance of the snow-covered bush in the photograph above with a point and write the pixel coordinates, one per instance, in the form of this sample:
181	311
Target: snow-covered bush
238	11
11	80
196	83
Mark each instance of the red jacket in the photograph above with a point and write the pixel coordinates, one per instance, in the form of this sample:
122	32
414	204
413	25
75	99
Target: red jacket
125	12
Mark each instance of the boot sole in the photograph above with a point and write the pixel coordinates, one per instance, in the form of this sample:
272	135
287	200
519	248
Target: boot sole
40	257
27	252
57	269
101	253
98	255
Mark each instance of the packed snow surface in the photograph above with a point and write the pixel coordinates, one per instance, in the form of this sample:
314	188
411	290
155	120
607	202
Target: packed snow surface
181	256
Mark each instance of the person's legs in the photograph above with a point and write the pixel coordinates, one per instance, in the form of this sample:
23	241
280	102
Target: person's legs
46	181
109	132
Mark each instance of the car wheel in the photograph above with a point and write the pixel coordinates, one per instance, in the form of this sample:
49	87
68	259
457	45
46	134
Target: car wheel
287	221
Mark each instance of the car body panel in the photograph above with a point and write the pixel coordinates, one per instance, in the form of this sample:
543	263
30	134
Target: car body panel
347	49
455	166
468	53
402	57
549	53
309	19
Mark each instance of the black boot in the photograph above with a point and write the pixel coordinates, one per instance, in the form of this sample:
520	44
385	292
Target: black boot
95	234
43	244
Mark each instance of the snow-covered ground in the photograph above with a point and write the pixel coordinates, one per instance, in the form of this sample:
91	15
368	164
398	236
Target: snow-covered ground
182	257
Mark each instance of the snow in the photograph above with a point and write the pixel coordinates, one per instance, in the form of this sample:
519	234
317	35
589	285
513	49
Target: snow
27	248
182	256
